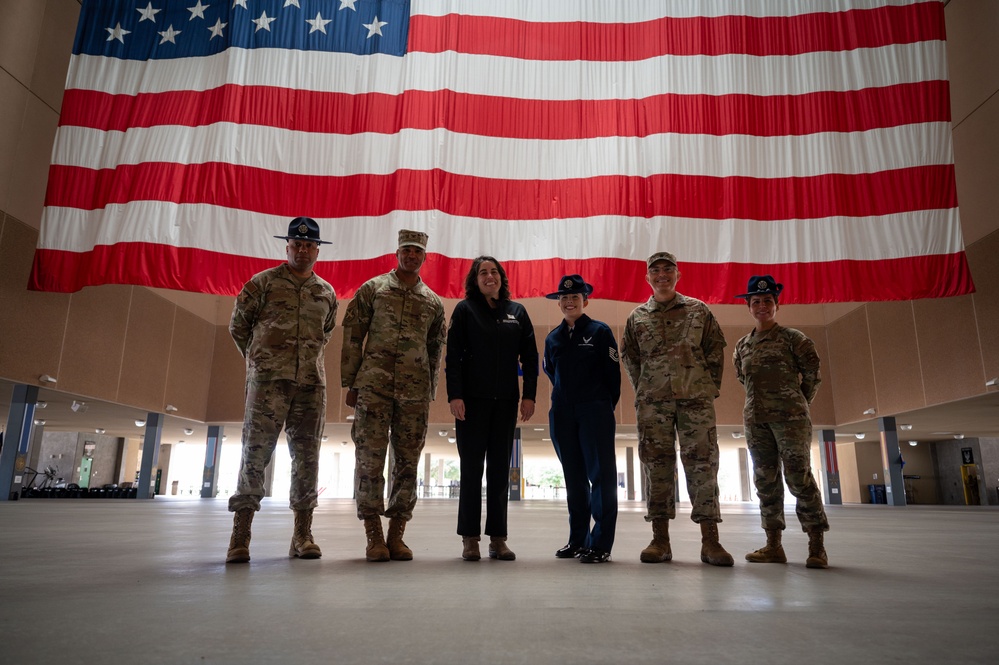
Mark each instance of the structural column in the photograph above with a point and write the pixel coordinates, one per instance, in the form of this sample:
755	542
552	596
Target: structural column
830	466
629	461
150	456
891	460
213	450
16	438
516	462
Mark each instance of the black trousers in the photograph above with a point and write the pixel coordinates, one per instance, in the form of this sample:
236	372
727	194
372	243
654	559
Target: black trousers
485	440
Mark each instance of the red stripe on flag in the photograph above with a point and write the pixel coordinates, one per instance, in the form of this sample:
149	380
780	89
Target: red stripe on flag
482	115
165	266
699	197
698	35
832	461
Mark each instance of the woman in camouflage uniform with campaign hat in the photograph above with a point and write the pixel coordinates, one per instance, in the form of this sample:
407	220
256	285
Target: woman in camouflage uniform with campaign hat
780	370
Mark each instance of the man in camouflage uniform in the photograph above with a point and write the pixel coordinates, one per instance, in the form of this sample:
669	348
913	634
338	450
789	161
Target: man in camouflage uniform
672	351
281	323
780	370
393	337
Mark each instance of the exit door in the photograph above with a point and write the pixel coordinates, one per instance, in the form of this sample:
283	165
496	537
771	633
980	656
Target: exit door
85	466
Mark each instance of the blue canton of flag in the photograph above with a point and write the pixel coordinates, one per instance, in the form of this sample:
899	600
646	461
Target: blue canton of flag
166	29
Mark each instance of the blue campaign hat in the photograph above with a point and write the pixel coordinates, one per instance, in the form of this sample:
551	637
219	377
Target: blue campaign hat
571	284
304	228
761	285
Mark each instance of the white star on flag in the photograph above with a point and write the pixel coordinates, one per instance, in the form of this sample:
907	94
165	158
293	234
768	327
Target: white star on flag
347	4
197	10
148	13
264	22
288	3
374	28
239	3
169	34
318	23
216	29
117	33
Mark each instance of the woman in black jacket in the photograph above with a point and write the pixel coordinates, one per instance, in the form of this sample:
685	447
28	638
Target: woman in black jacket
490	338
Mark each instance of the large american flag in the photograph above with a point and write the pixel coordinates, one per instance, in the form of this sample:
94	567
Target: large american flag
807	139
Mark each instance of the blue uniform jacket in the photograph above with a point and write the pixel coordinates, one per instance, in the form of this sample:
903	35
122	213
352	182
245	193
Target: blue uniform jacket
584	368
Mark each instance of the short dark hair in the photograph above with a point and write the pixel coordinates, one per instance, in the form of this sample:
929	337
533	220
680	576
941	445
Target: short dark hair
472	284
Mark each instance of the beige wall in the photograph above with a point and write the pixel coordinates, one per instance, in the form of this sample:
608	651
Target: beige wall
147	348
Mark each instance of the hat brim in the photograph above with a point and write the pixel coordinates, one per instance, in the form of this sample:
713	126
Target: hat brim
318	242
559	294
747	296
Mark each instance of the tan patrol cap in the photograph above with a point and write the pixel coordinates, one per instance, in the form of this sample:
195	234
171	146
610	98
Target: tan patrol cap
413	239
660	256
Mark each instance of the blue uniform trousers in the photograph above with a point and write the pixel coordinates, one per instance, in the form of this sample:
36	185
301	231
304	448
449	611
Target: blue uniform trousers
583	436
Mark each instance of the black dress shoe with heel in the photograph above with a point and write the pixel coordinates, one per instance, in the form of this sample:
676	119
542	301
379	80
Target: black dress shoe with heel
594	556
570	551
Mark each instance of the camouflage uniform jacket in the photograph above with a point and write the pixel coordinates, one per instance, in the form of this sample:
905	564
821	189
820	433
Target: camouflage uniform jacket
393	338
673	350
769	365
281	326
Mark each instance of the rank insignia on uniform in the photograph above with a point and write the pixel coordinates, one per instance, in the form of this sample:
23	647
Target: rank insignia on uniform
613	354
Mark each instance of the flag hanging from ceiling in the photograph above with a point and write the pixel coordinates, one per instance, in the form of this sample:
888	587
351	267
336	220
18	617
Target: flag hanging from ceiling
809	139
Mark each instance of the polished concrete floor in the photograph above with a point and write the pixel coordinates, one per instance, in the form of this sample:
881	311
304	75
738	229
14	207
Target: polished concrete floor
115	581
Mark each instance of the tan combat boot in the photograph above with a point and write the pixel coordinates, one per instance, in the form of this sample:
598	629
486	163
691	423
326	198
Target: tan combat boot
772	552
711	550
239	543
816	550
658	550
397	549
376	550
499	550
470	548
303	545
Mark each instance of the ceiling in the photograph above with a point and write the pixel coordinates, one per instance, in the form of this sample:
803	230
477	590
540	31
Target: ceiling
977	417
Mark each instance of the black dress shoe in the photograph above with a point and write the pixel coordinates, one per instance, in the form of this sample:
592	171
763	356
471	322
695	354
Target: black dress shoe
570	551
594	556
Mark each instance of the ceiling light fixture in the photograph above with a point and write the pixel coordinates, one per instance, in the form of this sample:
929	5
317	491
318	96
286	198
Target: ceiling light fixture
905	428
958	436
442	432
100	430
912	443
451	439
325	439
140	423
988	384
860	435
39	422
41	405
45	378
737	435
78	407
188	431
870	412
170	408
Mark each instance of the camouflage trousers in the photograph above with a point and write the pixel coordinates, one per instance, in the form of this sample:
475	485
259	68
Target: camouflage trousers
380	423
787	444
692	421
301	409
